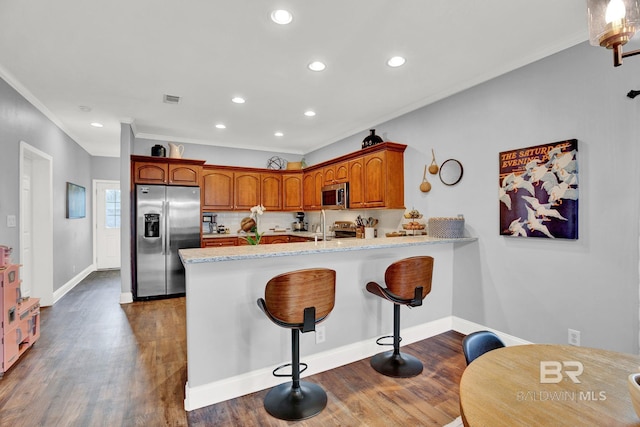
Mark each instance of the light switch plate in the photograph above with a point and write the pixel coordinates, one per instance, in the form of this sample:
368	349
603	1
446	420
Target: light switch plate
11	220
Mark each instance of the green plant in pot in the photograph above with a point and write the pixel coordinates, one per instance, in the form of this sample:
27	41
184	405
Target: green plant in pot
250	225
254	240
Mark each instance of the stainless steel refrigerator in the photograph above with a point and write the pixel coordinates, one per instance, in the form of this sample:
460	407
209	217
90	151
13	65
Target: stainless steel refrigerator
168	219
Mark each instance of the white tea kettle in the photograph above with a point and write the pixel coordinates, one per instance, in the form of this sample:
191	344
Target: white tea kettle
175	151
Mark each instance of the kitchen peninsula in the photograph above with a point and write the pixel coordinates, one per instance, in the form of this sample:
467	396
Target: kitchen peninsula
232	347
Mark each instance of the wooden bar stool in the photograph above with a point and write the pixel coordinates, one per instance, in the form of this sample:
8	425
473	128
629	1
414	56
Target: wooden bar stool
408	282
298	300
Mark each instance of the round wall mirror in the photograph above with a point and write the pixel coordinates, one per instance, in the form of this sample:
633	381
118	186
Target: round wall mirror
451	172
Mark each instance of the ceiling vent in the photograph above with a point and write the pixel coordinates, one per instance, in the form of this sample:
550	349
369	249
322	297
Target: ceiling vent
171	99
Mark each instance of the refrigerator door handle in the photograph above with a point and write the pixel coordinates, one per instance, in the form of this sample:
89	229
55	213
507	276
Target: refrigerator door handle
166	245
164	229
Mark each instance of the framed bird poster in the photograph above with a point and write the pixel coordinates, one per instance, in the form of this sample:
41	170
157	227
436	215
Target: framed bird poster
538	191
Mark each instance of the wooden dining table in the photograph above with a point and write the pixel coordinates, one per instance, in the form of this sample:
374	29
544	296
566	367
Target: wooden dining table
548	385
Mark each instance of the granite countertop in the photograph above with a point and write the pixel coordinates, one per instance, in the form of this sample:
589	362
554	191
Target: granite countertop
230	253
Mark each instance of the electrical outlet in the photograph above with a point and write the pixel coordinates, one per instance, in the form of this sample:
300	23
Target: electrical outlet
11	220
574	337
320	334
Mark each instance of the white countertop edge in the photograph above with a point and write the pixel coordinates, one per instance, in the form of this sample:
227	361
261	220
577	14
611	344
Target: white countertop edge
233	253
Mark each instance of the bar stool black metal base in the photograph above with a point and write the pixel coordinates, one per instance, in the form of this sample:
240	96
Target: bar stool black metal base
286	403
397	365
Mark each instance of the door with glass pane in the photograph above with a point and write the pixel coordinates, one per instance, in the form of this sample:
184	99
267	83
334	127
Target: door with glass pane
107	225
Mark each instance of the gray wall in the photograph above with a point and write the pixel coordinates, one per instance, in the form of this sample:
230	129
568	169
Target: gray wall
216	155
72	239
105	168
532	288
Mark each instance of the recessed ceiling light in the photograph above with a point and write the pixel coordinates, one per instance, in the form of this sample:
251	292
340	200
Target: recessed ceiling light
221	126
96	125
281	16
309	113
317	66
238	100
396	61
279	134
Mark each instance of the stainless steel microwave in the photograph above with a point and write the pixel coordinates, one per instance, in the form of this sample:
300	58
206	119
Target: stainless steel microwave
335	196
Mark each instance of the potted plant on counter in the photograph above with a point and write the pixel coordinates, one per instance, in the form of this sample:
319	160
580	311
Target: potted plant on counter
250	225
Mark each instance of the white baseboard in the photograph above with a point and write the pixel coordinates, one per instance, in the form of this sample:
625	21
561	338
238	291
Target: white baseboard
466	327
126	297
62	291
229	388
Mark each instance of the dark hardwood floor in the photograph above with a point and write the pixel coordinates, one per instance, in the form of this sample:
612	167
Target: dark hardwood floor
99	363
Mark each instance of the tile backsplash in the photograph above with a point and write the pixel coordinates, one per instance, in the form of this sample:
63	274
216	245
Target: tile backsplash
388	219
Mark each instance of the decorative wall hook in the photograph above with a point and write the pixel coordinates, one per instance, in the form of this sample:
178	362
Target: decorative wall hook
633	93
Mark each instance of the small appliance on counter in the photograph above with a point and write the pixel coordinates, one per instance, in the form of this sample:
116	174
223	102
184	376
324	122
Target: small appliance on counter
344	229
299	224
209	223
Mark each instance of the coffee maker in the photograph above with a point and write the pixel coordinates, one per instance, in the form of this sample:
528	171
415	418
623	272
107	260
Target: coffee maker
299	224
209	223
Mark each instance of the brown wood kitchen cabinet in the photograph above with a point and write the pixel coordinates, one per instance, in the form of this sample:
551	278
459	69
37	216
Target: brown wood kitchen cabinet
165	171
188	175
269	240
375	175
150	173
219	241
240	189
292	192
217	189
356	183
336	173
271	191
383	180
312	183
299	239
246	190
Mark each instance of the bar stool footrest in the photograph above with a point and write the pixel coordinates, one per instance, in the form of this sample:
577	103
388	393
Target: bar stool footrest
288	403
379	340
303	367
397	365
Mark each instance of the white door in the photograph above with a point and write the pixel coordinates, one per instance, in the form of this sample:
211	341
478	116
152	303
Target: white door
107	224
26	226
36	223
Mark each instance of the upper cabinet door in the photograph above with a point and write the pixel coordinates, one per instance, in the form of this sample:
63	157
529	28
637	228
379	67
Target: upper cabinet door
184	175
356	184
336	173
150	173
271	191
247	190
312	183
217	189
375	180
292	192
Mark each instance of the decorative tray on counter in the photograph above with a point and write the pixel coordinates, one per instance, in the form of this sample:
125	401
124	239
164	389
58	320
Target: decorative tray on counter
413	225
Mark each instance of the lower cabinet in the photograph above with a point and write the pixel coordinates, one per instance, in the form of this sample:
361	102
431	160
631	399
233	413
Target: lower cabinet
219	241
239	241
21	318
267	240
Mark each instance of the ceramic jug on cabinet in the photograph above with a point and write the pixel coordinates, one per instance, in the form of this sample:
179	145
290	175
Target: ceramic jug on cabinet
175	151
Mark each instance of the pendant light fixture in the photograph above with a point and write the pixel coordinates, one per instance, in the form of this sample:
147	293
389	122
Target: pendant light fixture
612	23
